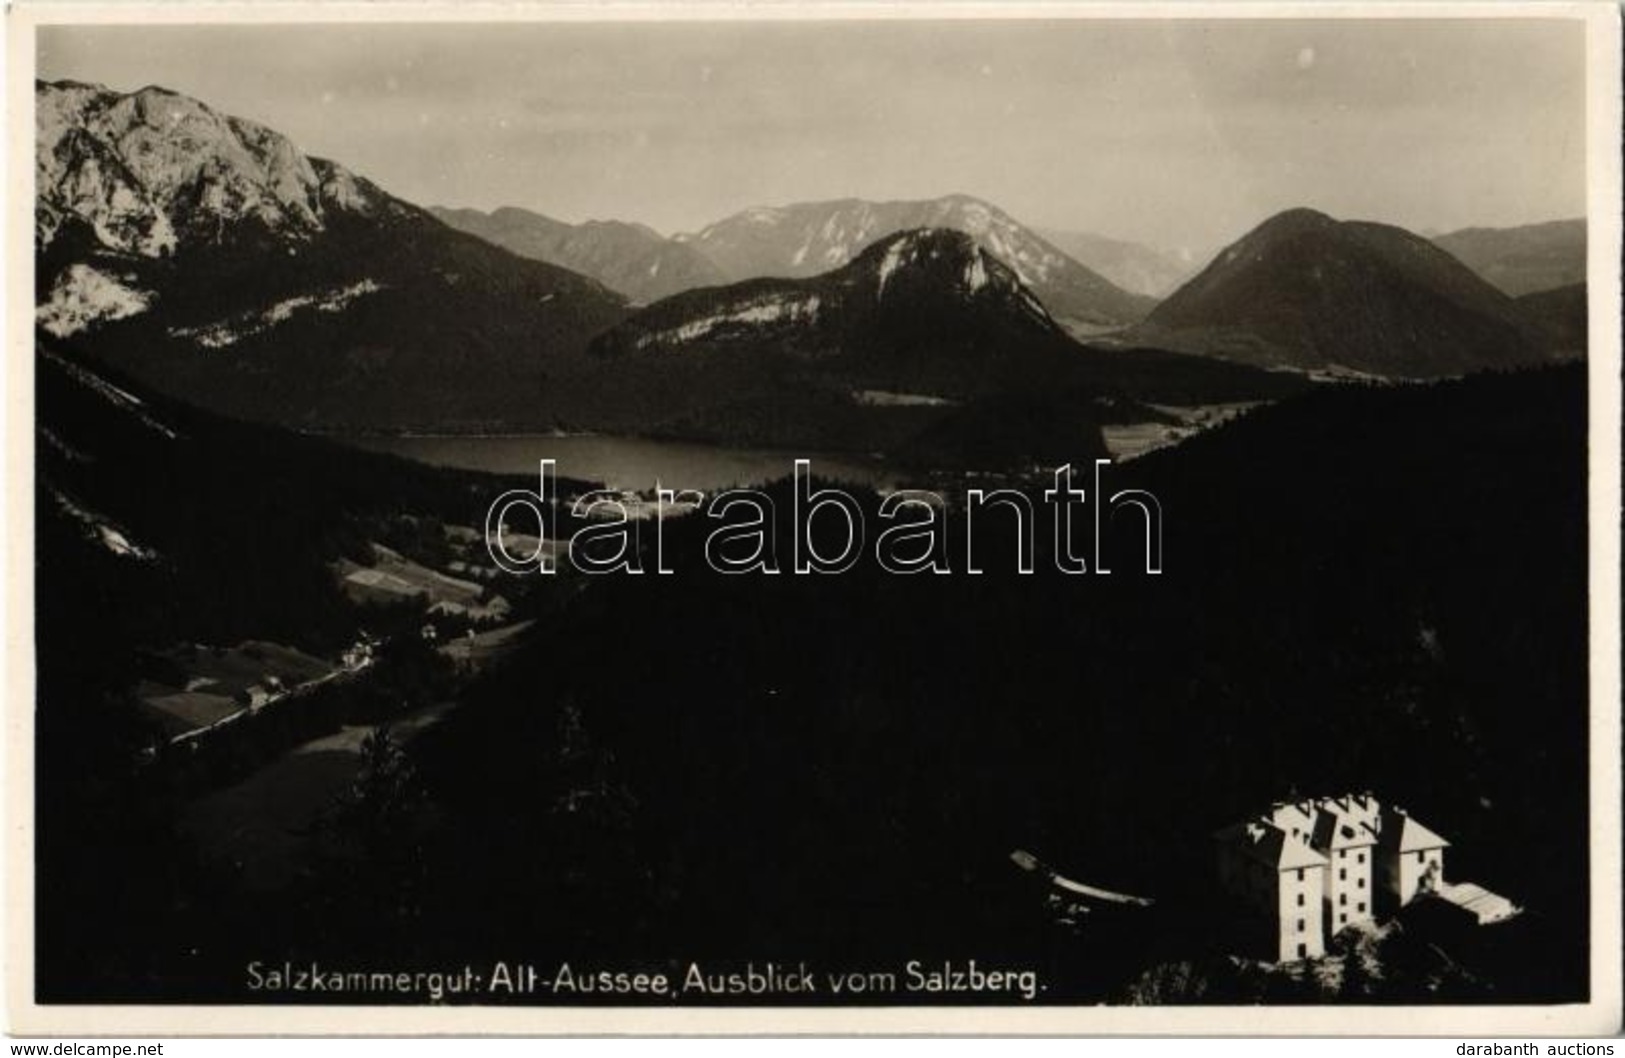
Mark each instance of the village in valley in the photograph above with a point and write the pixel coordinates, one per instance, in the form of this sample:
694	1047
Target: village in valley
191	689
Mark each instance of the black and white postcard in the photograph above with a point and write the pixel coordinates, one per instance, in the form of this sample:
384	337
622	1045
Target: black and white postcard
1080	518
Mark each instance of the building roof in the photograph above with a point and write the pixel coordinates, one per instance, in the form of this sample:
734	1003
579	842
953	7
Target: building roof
1297	818
1356	808
1404	834
1296	834
1479	902
1267	843
1334	831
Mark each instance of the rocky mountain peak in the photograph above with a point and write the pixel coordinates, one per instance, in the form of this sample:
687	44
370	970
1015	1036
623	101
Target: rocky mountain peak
154	172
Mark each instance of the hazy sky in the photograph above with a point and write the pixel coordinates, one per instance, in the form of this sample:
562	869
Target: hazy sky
1176	133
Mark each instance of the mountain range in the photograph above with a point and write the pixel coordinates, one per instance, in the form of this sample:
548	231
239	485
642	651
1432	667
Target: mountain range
807	238
810	238
208	257
630	258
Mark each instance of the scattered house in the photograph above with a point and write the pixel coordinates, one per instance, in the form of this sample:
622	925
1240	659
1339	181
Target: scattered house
429	633
477	649
1309	869
253	696
1485	907
494	608
357	656
191	689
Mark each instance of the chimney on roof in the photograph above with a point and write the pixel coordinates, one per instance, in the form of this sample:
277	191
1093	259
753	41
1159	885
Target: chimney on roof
1255	832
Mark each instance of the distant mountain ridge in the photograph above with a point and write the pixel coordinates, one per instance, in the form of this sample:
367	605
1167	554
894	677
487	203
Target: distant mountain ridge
926	345
1137	268
1527	259
630	258
809	238
1307	292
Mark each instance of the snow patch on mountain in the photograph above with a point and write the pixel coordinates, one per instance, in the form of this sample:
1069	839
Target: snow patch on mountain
975	216
225	333
923	245
891	263
976	273
342	190
772	309
61	447
115	396
102	531
1034	307
84	296
885	398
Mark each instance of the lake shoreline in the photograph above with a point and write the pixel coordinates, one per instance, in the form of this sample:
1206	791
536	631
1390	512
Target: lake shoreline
630	463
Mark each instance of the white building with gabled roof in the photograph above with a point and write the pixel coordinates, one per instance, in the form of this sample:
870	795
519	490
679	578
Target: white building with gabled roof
1281	879
1410	856
1345	832
1313	867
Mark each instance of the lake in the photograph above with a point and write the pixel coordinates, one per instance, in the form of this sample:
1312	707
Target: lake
630	463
